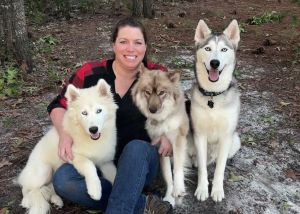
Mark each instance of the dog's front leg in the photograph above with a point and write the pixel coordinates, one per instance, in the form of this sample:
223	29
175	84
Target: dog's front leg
109	171
217	192
179	155
167	175
87	169
201	145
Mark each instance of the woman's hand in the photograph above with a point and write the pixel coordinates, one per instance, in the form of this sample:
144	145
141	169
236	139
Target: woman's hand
165	147
65	147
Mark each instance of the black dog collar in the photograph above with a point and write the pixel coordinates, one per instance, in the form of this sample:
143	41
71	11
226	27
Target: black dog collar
212	94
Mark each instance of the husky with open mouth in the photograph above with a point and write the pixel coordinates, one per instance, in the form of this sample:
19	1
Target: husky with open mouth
215	105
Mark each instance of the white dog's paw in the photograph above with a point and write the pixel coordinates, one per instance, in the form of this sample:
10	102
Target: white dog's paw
94	189
201	192
179	191
57	201
25	203
170	199
217	193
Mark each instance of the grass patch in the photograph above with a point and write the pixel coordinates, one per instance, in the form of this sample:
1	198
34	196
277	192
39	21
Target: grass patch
268	17
10	82
46	44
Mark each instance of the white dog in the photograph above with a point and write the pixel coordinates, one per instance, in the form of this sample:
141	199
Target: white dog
215	105
159	97
90	121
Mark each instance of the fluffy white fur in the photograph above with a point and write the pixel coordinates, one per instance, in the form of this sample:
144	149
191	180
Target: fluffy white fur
215	137
91	107
170	120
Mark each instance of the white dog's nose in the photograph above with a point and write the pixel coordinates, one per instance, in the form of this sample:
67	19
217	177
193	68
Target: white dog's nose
214	63
93	129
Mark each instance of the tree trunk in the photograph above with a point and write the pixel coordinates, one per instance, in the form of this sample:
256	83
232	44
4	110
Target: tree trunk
14	33
148	8
137	8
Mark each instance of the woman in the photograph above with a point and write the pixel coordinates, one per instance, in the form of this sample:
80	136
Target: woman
137	160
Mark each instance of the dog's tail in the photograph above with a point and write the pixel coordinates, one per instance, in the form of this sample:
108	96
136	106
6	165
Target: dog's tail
236	145
36	200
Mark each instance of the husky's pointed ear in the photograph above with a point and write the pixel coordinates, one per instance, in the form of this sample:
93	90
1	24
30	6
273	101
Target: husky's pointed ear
141	69
232	32
174	76
72	93
103	88
202	31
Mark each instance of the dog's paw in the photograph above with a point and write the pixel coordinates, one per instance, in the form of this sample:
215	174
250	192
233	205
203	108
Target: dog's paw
94	189
217	193
170	199
25	203
179	191
57	201
201	192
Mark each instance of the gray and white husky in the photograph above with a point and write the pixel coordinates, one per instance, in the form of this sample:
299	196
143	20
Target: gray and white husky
215	105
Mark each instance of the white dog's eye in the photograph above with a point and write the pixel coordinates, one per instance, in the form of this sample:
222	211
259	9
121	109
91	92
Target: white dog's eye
98	111
207	49
224	49
84	113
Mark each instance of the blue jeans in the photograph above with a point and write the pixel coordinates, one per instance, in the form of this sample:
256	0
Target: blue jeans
137	167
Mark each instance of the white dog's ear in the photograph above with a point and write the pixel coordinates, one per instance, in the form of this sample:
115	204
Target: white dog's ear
232	32
72	93
202	31
103	88
174	76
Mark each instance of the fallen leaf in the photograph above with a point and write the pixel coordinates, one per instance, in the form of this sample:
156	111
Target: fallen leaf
4	210
284	103
4	163
235	178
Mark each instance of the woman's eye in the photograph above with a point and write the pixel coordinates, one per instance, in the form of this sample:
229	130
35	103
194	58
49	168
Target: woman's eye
84	113
224	49
207	49
99	111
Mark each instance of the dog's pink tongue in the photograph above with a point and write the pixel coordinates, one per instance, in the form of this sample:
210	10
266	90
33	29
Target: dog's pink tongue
213	75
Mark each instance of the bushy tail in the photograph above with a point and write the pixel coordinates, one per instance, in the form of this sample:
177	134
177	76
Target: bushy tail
36	200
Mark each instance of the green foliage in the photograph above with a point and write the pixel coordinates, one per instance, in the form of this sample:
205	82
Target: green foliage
86	6
242	26
297	50
268	17
237	73
46	44
10	83
296	1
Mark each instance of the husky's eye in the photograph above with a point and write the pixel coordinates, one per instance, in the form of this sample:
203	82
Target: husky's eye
98	111
207	49
84	113
224	49
161	93
147	93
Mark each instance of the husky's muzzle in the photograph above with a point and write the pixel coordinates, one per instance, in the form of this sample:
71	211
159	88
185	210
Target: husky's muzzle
213	72
95	135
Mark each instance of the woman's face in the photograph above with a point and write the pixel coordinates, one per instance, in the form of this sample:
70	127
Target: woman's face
129	47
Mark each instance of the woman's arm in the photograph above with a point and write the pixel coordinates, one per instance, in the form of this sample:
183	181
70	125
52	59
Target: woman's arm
65	141
165	146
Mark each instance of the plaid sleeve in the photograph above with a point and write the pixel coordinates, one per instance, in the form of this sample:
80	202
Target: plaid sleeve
153	66
77	79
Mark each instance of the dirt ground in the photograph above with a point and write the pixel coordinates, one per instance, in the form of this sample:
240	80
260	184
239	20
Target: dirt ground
264	176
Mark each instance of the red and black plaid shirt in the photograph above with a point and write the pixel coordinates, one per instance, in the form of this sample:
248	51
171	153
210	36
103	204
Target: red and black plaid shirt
130	122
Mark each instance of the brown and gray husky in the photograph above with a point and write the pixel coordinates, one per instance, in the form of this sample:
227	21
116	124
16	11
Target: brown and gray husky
159	97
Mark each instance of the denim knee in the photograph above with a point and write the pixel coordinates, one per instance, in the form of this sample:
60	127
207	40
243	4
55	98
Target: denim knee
139	148
61	179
